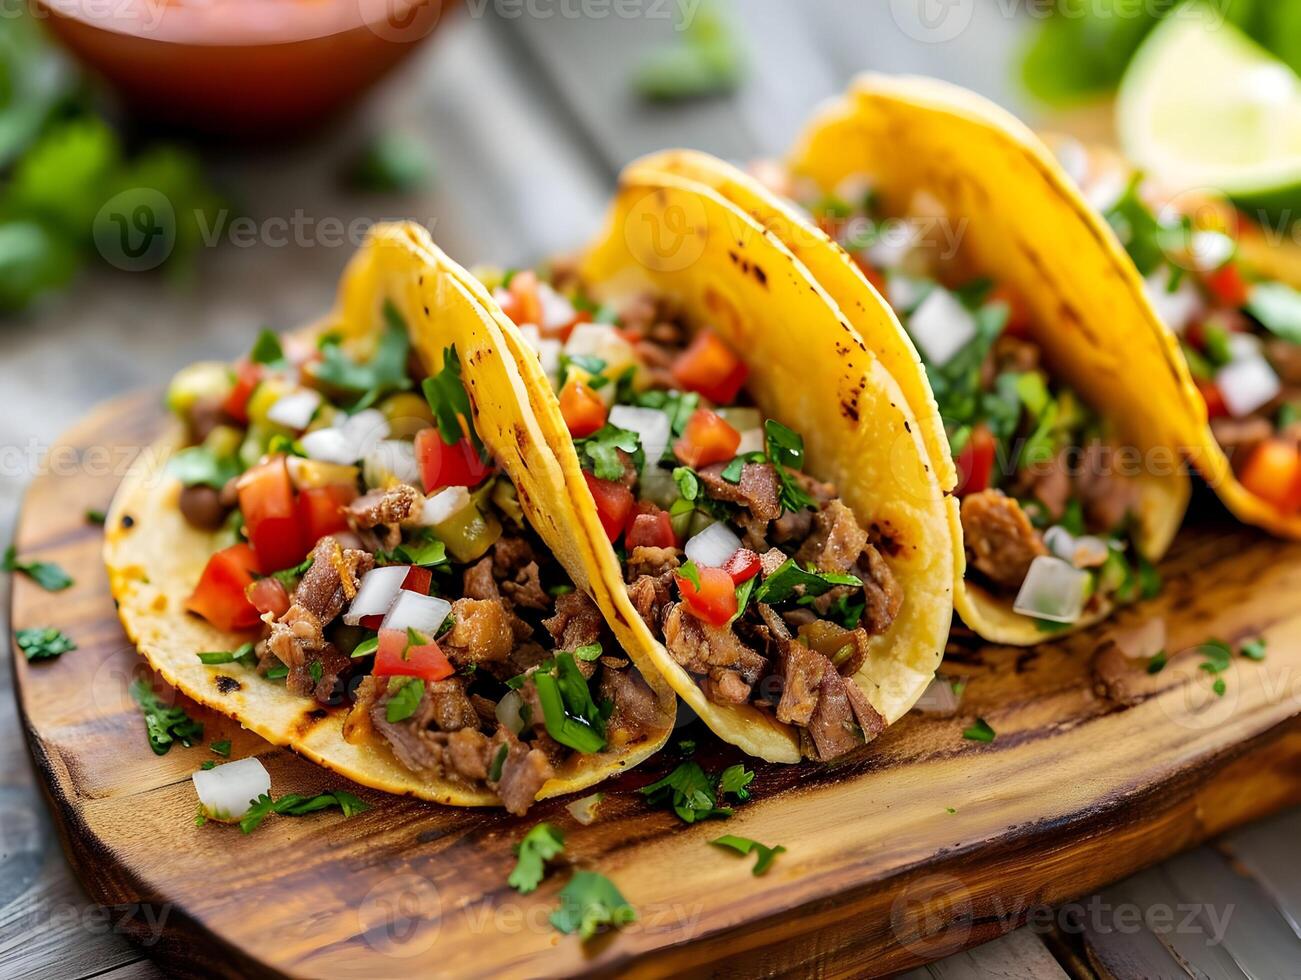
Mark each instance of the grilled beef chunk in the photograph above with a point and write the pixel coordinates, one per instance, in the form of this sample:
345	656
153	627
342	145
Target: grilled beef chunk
771	560
376	515
791	526
832	726
1106	494
650	594
636	710
1049	482
1240	437
333	666
725	687
1285	356
652	561
704	649
328	583
758	490
479	582
833	711
483	631
577	622
881	589
802	671
517	570
1000	539
836	541
523	772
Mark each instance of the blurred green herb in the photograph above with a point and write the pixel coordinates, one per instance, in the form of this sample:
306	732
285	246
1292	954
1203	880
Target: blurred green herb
706	59
390	163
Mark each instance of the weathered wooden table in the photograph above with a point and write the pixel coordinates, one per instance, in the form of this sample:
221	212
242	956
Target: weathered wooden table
528	113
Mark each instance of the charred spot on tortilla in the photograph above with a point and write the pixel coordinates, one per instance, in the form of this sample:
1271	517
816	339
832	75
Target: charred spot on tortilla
761	276
226	685
907	426
426	309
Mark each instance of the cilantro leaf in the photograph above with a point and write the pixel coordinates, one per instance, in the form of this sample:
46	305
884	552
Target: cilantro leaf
688	482
1218	656
785	448
679	406
981	731
1157	662
267	349
689	571
243	655
1254	649
43	644
744	845
1278	308
601	450
691	793
365	648
589	651
572	718
221	748
590	903
386	371
290	577
450	402
95	516
789	581
735	780
403	703
297	805
164	726
47	575
542	843
200	466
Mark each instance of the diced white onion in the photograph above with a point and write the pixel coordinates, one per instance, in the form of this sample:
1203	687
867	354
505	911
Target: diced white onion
1090	552
531	334
853	189
658	486
1107	189
392	459
295	410
378	588
329	446
713	546
226	791
584	810
602	341
751	442
556	310
895	241
445	504
413	611
1246	385
1178	309
1060	542
1053	590
651	425
1073	157
508	711
1243	345
1144	641
1211	249
366	430
939	699
941	326
904	292
549	351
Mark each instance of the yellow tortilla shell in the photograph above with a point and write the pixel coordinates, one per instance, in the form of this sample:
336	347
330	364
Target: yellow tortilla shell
154	564
808	368
1025	225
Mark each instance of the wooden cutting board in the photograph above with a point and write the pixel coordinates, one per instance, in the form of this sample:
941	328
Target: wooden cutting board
926	843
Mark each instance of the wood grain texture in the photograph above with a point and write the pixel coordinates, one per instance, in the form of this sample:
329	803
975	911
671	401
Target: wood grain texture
1078	790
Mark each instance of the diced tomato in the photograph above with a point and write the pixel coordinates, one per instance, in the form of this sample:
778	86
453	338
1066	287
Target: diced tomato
266	498
441	465
395	658
742	566
1018	317
709	367
526	306
268	596
562	332
872	274
247	377
706	439
1273	473
715	601
220	597
650	527
582	408
418	580
1215	407
1227	285
613	504
975	463
371	622
633	335
320	511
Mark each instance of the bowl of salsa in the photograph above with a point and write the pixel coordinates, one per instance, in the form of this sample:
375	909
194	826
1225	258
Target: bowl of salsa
241	67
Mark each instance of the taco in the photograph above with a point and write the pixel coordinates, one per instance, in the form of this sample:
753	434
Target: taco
773	533
361	549
1067	463
1229	290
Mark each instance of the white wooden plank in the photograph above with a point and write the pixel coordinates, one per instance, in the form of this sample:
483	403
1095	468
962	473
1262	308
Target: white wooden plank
1015	956
1268	850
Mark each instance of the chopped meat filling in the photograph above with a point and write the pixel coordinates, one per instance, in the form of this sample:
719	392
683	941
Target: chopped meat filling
1000	538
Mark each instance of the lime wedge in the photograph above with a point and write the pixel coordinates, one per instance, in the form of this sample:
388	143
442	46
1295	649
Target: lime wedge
1203	106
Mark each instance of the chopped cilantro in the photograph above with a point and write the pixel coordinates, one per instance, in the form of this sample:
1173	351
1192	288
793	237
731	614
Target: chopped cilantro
206	765
542	843
1219	687
690	572
164	725
687	481
499	760
402	705
43	643
601	451
94	516
267	349
1157	662
677	405
733	470
590	903
243	655
221	748
981	731
47	575
276	672
386	371
450	402
695	795
734	780
743	592
316	670
589	651
1218	656
572	718
744	845
289	577
1254	649
200	466
949	809
790	581
785	448
365	648
296	805
1278	308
